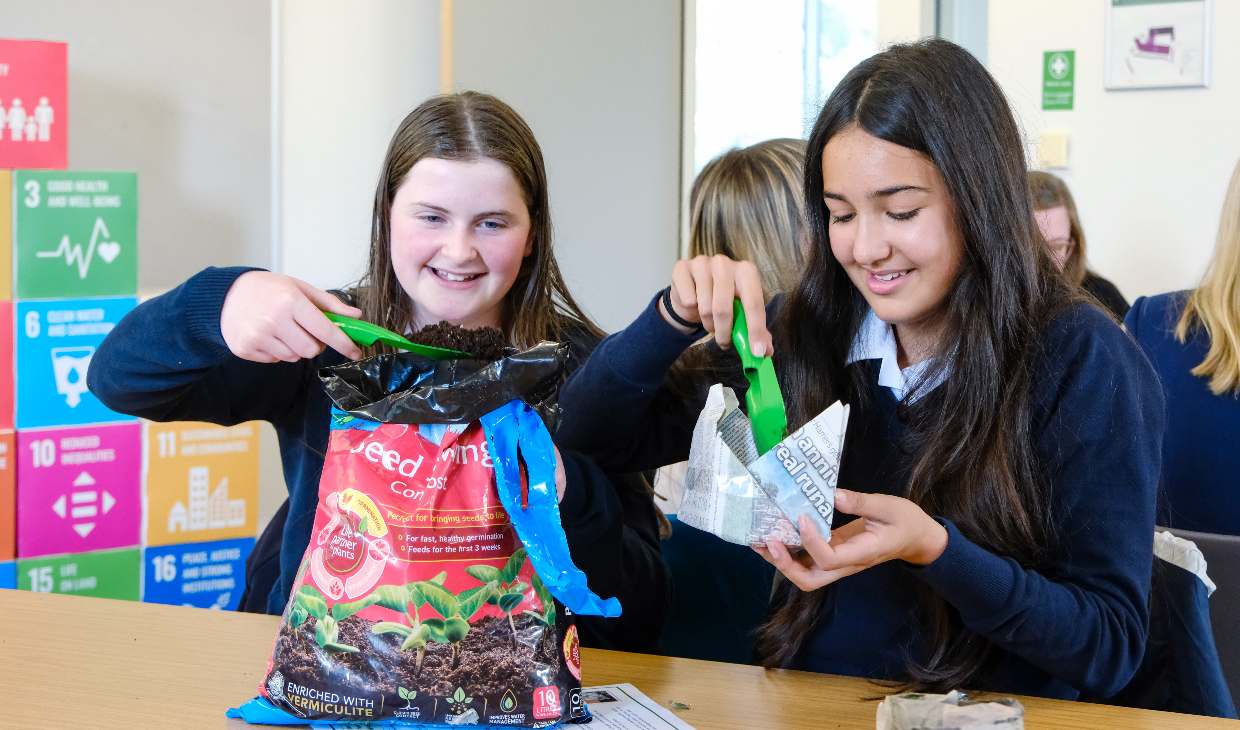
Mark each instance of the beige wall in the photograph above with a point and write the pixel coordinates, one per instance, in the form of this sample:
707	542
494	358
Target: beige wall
347	74
1147	168
188	111
599	82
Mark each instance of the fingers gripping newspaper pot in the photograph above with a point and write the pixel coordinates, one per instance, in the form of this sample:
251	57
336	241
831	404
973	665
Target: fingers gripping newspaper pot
748	479
435	584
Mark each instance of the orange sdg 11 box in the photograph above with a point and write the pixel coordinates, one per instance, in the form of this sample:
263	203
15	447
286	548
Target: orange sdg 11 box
201	482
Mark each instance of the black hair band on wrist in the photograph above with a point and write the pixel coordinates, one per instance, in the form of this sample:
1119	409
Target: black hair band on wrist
671	312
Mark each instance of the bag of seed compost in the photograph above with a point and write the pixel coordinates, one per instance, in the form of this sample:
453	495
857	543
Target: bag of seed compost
435	584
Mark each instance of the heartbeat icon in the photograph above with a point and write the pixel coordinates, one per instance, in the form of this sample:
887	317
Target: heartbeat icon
72	253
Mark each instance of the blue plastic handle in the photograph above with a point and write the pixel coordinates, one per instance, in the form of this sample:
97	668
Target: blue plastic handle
516	433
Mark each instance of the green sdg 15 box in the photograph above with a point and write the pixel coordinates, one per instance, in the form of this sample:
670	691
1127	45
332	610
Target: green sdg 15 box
102	574
75	234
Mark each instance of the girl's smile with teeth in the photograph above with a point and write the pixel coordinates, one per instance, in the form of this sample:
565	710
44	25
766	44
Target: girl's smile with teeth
452	276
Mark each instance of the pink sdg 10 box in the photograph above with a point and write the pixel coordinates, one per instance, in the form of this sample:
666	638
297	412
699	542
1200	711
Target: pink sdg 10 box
78	489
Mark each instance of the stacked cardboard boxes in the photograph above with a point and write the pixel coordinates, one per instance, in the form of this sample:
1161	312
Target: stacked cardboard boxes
94	502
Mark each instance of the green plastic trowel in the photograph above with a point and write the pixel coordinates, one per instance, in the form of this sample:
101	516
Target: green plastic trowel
367	334
763	401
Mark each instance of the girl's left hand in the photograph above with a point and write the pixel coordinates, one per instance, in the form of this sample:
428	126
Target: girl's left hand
886	528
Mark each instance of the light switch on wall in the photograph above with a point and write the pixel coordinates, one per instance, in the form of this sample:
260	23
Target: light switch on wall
1053	149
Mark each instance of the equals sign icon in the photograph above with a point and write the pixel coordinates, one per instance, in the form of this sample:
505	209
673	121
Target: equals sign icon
84	504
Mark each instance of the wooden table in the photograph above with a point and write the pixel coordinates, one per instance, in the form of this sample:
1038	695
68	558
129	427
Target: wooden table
95	663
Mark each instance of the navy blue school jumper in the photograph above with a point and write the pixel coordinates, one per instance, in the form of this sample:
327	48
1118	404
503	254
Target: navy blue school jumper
1078	628
167	361
1201	450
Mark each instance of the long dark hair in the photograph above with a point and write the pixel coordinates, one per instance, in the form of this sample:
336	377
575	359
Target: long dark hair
468	126
971	453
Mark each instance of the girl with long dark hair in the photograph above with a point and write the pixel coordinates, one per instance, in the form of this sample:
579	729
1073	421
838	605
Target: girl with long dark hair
995	514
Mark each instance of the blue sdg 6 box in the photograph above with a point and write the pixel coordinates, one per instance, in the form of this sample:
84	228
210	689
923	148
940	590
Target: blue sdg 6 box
54	342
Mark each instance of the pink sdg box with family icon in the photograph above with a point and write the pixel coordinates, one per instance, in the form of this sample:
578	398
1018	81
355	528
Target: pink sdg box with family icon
34	105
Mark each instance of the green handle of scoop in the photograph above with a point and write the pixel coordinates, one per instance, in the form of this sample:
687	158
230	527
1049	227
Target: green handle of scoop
367	334
764	401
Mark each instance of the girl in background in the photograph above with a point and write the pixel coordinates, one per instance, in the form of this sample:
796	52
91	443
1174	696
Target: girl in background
1193	339
1055	210
745	204
995	513
461	232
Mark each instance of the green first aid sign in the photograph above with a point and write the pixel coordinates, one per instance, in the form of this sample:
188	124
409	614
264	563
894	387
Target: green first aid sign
1058	79
75	234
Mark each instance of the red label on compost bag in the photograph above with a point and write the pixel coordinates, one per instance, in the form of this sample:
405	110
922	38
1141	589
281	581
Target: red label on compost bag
415	599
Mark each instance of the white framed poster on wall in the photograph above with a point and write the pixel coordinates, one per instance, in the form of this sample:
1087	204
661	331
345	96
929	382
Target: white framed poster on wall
1152	44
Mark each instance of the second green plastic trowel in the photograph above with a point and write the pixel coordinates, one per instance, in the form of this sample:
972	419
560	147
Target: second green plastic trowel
367	334
764	402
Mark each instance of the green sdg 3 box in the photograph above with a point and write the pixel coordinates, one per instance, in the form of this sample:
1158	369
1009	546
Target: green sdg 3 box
102	574
75	234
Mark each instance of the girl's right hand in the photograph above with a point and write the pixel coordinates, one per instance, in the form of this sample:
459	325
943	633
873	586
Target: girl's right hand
703	289
269	317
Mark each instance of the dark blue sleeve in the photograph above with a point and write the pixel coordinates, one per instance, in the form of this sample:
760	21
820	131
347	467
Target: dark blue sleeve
618	408
167	361
1132	320
1099	440
613	535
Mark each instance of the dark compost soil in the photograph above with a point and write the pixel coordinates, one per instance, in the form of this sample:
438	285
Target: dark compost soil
486	343
489	662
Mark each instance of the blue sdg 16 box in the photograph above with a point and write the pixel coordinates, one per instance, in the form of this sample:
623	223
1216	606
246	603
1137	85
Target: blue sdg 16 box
54	342
8	575
202	574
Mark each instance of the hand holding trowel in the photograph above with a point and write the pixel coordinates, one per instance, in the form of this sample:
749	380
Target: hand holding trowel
748	480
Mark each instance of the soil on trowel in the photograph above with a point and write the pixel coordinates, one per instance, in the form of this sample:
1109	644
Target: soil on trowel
485	343
489	660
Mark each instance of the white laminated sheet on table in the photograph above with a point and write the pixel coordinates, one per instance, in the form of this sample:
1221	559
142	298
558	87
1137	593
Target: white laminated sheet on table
625	707
745	499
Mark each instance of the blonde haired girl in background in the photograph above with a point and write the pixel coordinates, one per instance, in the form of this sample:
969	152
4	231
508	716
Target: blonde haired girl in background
1193	339
748	205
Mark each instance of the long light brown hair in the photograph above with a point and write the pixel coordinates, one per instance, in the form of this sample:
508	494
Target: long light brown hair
1049	191
747	204
468	126
1215	304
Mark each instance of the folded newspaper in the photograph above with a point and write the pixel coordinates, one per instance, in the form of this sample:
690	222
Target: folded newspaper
952	711
745	498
